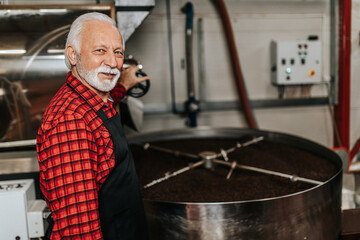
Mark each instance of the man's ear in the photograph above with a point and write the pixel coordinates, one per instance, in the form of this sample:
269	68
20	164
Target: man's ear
71	54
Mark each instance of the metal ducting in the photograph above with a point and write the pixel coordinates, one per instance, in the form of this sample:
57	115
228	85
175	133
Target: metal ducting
130	15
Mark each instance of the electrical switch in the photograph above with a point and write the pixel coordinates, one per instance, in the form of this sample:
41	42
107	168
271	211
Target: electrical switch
311	72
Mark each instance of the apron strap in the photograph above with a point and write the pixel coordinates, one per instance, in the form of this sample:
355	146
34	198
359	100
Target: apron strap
50	228
111	128
102	115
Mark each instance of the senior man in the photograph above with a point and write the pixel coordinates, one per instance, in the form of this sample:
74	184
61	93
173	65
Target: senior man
87	173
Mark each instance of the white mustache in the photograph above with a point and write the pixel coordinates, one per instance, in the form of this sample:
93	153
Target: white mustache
108	70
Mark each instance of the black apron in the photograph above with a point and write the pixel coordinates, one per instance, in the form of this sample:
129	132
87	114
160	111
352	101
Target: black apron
122	215
121	210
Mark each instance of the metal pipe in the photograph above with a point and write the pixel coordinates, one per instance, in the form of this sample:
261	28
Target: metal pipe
342	109
192	106
171	58
201	59
173	174
163	108
333	52
172	152
188	9
292	178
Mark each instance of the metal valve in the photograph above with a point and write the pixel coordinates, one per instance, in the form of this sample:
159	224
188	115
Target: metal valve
141	88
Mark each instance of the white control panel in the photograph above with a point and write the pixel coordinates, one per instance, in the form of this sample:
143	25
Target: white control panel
296	62
20	213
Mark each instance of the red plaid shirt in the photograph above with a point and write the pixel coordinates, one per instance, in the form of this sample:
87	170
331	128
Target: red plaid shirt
118	93
75	154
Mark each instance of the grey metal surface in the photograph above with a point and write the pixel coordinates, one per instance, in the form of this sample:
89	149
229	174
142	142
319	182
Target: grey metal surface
311	214
130	14
128	21
18	162
23	143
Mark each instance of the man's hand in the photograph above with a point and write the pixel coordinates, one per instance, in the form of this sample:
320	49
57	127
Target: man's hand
129	79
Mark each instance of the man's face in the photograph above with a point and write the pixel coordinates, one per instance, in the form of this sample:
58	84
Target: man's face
101	55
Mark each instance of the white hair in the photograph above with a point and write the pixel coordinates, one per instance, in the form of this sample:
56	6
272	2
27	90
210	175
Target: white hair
77	26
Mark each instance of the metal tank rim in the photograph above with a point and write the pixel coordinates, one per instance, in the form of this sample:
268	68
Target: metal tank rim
205	131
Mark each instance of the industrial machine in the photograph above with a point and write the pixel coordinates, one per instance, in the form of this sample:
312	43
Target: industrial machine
22	216
228	183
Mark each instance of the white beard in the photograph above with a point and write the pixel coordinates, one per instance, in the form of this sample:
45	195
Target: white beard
91	77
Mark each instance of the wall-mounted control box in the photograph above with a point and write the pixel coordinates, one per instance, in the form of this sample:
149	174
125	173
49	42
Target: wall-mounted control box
296	62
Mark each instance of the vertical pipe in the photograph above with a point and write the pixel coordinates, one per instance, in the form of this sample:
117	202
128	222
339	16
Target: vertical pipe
250	118
342	109
333	68
192	106
171	58
201	59
188	9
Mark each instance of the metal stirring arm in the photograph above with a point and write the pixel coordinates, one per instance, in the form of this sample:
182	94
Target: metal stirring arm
224	153
292	178
207	159
209	156
176	153
173	174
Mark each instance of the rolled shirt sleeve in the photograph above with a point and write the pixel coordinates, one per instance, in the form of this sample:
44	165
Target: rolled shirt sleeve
118	93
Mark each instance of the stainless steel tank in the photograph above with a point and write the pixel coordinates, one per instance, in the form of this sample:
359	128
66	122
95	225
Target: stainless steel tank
314	213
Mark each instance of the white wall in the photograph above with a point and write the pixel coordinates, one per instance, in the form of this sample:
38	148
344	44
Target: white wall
255	23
